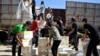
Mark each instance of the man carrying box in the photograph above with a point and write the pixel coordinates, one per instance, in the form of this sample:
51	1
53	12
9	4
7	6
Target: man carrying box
16	31
55	35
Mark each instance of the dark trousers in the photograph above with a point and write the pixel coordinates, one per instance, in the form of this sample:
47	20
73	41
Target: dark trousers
92	47
35	40
54	47
41	15
61	30
14	44
33	12
73	40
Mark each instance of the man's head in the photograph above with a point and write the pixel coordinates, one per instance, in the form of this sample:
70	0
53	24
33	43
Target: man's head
84	20
42	2
27	25
73	20
59	18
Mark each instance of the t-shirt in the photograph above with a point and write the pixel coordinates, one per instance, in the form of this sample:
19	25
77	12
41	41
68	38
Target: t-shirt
60	23
42	9
54	33
92	29
48	16
74	26
18	28
35	25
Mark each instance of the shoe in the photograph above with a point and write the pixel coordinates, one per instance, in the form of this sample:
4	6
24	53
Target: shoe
73	48
76	49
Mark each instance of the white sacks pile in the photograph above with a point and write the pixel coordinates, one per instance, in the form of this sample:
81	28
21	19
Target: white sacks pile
63	49
85	44
43	48
26	37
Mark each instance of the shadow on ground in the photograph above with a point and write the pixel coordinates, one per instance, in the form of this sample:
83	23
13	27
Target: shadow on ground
5	50
5	55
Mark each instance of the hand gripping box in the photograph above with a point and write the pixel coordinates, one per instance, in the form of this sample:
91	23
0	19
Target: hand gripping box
27	42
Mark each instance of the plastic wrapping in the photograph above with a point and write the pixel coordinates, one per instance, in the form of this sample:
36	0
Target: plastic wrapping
22	7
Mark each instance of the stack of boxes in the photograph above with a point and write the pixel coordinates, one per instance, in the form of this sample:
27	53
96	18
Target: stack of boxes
43	48
26	37
63	49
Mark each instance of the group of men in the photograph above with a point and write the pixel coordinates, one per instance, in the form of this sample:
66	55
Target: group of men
55	33
27	26
89	30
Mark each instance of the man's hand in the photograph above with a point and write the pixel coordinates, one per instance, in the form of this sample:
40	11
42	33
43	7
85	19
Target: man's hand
68	34
82	39
19	40
49	43
21	45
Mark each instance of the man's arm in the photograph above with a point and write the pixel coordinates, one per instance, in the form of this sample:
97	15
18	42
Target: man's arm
50	41
73	28
19	41
71	31
50	37
85	33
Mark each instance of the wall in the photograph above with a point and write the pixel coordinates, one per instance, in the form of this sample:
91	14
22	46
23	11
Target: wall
80	10
58	12
8	10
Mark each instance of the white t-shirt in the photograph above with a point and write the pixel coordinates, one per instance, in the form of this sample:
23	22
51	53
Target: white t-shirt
42	8
48	16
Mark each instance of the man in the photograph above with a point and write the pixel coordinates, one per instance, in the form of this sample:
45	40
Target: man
35	28
92	32
50	16
60	26
33	8
73	39
16	31
42	10
54	33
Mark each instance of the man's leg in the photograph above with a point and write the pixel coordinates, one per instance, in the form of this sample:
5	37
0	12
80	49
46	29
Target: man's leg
89	48
55	47
19	51
95	51
13	49
33	13
75	43
14	46
36	42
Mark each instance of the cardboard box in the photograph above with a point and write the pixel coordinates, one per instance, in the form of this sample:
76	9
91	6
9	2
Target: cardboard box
34	51
26	35
27	51
27	42
64	54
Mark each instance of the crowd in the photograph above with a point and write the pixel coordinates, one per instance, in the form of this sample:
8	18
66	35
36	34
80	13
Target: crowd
54	29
